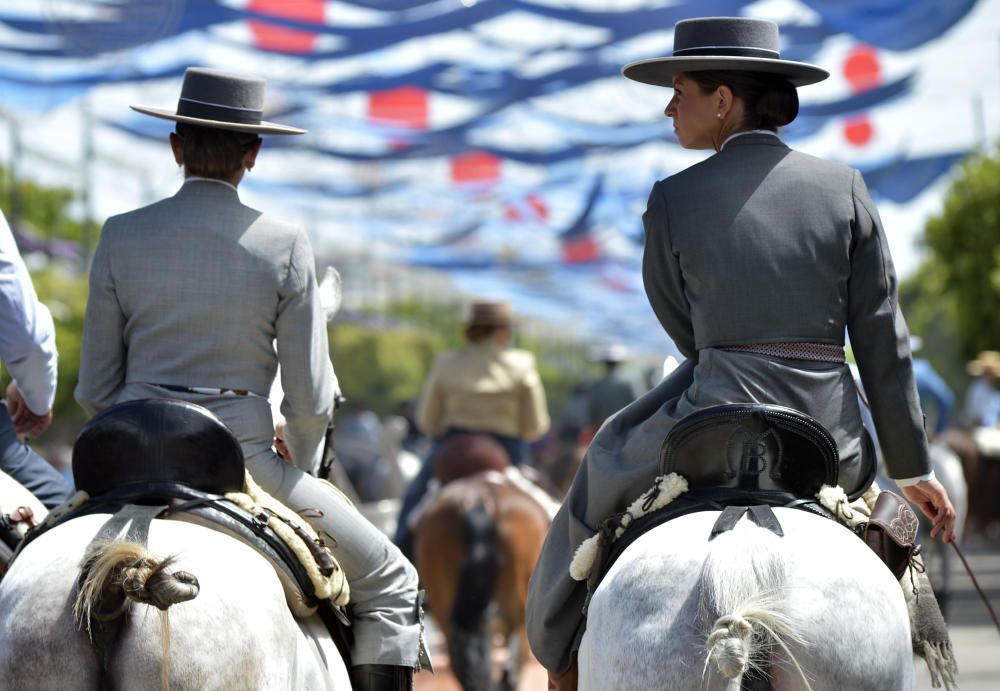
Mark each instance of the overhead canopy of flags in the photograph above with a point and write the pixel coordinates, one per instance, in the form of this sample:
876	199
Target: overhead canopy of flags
494	140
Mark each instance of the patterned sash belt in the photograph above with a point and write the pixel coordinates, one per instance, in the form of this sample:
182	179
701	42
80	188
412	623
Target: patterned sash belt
820	352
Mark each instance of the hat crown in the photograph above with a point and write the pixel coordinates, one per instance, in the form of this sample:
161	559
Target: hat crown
489	313
727	36
223	96
223	88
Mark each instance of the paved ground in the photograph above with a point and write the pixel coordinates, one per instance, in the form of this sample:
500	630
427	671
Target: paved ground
976	640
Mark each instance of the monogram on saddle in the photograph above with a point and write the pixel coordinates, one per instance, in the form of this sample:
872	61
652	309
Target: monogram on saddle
168	459
745	460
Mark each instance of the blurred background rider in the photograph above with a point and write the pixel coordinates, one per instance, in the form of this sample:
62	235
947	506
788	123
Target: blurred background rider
485	387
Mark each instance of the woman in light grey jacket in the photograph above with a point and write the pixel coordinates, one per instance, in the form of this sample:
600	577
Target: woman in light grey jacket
191	296
756	261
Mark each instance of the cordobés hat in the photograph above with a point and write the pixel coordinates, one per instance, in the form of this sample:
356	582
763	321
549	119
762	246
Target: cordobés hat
986	361
489	313
212	98
723	43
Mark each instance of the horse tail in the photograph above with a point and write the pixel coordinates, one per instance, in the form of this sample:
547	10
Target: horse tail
115	575
470	644
743	590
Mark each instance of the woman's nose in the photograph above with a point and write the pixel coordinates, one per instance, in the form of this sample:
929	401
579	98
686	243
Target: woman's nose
671	109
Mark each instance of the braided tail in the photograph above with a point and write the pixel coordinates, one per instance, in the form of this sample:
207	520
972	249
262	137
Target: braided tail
744	593
117	574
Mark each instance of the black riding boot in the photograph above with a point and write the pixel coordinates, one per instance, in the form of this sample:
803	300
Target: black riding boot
381	678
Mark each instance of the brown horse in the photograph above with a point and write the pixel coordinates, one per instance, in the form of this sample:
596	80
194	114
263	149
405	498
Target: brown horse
476	544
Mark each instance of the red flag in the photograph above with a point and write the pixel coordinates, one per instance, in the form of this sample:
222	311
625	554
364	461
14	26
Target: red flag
406	107
475	167
580	249
269	36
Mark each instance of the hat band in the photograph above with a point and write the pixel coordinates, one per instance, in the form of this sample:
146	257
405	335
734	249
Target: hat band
215	111
728	51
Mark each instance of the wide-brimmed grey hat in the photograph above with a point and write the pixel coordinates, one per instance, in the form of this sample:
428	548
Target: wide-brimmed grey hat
723	43
212	98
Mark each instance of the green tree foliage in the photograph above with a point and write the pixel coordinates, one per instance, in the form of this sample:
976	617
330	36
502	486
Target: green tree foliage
964	243
930	310
380	368
42	211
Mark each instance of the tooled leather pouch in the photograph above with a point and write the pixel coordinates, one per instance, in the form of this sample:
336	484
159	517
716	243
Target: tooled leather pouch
891	532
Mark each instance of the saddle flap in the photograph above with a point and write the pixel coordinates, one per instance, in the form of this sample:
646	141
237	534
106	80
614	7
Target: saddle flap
751	447
157	440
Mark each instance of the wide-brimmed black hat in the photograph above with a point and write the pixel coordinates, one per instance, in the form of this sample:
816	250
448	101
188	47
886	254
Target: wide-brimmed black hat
212	98
723	43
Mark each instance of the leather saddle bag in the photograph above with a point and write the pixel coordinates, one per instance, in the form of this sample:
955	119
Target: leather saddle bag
891	532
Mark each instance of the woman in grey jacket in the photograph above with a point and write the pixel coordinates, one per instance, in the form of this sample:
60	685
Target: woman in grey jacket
188	298
756	261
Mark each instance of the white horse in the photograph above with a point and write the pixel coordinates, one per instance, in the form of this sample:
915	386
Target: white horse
815	609
234	631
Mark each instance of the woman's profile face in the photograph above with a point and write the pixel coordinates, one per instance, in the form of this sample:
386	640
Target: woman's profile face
695	114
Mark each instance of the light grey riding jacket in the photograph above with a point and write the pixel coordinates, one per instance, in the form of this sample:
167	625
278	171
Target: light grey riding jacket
756	244
196	290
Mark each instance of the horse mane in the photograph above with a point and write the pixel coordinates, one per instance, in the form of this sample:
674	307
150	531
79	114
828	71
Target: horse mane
743	595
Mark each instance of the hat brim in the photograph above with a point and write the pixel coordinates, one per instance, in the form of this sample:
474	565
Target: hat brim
976	368
661	71
263	128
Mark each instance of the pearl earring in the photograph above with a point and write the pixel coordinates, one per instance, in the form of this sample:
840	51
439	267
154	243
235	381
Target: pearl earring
718	115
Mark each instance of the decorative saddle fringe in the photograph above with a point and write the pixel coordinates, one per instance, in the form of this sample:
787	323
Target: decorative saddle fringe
941	663
665	489
928	631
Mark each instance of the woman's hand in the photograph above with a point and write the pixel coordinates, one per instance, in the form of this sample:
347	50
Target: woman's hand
279	440
932	499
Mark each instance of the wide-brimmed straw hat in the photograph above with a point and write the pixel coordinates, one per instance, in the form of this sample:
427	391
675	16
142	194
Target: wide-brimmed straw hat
723	43
212	98
489	313
986	361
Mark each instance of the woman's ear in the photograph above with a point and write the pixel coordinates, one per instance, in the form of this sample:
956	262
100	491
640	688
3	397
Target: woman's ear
725	100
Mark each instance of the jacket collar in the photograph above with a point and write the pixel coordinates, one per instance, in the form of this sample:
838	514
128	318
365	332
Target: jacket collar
753	138
207	187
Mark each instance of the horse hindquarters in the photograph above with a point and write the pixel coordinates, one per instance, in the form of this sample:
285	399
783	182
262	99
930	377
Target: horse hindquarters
457	559
237	633
839	613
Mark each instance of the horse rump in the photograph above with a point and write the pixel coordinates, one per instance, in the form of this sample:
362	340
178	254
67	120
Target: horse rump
470	643
457	556
114	575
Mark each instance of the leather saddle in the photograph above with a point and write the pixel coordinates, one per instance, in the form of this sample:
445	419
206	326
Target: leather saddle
761	448
161	451
466	454
156	440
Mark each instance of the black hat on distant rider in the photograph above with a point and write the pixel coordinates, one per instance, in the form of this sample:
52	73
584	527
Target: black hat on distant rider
723	43
212	98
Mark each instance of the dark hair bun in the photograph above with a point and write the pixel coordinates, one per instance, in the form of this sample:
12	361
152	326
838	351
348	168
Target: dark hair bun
777	105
